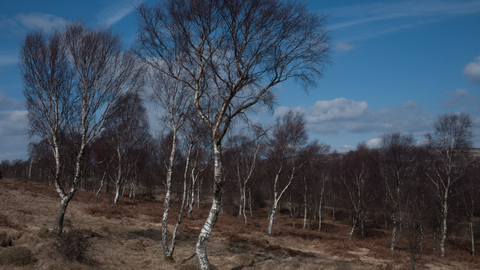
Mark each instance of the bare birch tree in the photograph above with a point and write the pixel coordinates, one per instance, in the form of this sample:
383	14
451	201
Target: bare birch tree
289	135
244	154
234	53
398	156
449	145
71	80
128	128
358	169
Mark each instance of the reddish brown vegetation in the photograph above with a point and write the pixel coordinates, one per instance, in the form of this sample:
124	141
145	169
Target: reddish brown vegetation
133	227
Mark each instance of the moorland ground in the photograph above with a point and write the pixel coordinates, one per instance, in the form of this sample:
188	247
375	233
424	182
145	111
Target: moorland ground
128	236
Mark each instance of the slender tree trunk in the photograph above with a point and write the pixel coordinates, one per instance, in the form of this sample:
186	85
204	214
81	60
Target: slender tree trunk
334	206
421	239
117	193
166	204
250	202
362	224
394	231
320	215
472	237
118	181
272	216
201	247
310	217
305	211
242	198
29	169
353	228
179	220
444	228
192	200
244	205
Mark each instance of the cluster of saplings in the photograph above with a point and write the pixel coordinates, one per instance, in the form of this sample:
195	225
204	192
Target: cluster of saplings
208	65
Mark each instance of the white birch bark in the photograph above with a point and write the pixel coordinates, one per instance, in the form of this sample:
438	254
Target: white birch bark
201	246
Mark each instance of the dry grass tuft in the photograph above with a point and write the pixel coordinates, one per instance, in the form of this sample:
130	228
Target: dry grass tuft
135	244
43	233
110	211
6	239
5	222
16	256
243	259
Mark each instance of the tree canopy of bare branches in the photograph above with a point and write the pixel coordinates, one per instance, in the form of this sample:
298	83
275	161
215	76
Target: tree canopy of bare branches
71	79
448	145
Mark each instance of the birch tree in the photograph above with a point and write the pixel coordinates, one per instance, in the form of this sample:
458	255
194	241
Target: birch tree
244	154
71	79
171	95
234	53
316	174
128	128
397	156
448	145
358	170
289	135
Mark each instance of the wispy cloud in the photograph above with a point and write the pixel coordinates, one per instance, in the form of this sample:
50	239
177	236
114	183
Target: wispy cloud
341	47
115	11
372	19
6	60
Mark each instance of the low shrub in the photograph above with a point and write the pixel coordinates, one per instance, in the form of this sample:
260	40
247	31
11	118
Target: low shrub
73	246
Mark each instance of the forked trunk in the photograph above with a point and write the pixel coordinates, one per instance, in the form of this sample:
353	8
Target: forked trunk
58	227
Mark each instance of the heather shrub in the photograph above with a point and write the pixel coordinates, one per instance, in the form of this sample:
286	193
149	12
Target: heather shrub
73	246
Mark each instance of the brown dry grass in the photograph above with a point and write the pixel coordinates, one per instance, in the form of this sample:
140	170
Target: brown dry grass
127	236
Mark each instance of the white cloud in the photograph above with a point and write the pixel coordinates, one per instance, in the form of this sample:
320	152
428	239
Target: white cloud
472	71
39	20
280	111
13	123
343	47
374	143
13	103
14	142
459	98
115	12
339	108
333	117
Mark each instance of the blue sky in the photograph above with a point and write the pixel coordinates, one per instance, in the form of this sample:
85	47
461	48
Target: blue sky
397	65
